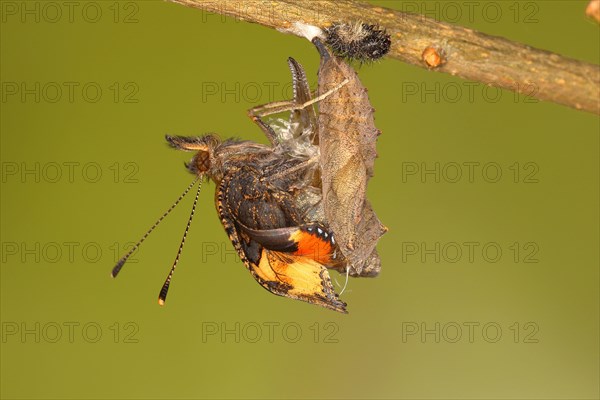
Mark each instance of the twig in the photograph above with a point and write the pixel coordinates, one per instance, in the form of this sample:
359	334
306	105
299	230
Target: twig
463	52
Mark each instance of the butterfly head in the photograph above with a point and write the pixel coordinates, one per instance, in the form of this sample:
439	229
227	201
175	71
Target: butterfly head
205	147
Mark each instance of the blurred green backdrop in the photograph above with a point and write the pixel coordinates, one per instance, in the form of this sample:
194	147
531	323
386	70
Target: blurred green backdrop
489	287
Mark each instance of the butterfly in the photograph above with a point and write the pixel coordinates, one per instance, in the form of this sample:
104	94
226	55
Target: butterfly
256	185
268	200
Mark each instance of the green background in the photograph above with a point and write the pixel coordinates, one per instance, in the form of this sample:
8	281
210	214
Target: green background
166	58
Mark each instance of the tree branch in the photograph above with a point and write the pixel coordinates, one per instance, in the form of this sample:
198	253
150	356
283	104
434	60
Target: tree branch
428	43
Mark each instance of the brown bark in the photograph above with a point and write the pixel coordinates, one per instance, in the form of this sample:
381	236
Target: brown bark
463	52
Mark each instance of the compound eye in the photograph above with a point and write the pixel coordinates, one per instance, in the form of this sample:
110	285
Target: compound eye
203	161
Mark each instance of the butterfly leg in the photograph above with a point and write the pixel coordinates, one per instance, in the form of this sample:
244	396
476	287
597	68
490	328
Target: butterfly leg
300	107
256	113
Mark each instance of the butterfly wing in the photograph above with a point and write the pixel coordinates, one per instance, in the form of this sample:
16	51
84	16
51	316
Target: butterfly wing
297	277
286	260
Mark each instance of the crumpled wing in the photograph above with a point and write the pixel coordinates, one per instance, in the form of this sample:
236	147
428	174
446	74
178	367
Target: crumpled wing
297	277
286	260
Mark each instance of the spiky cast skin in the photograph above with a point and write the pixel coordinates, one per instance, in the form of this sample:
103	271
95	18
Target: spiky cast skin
358	41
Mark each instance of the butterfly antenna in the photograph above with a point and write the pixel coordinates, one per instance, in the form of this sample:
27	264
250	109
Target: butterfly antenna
162	296
123	260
